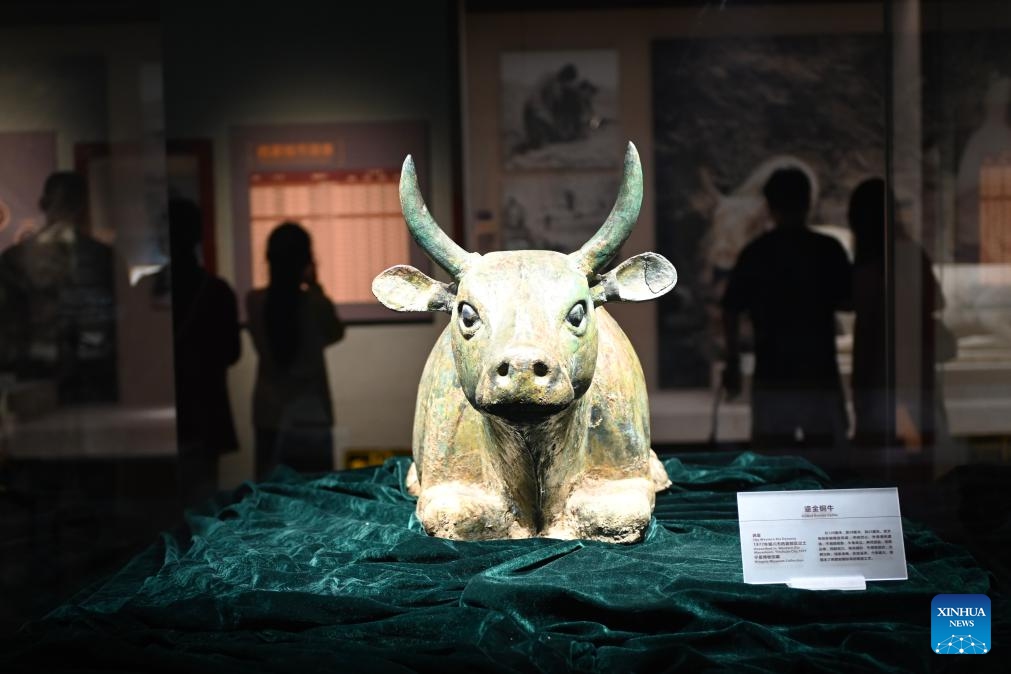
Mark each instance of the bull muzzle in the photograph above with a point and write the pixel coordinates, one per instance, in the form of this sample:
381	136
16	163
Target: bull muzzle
525	384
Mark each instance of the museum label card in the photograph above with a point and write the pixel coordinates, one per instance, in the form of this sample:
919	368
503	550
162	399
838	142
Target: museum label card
821	539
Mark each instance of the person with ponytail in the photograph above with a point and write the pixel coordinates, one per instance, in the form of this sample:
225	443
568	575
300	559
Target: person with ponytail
292	321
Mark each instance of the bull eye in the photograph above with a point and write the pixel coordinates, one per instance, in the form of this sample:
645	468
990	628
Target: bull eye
577	315
469	320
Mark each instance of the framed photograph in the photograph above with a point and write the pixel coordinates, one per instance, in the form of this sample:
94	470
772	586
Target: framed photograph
557	212
560	109
727	113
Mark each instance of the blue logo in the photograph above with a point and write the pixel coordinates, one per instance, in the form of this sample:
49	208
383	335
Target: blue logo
960	624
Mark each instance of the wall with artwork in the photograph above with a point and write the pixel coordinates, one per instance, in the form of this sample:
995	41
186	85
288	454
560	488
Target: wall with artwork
553	194
716	99
728	112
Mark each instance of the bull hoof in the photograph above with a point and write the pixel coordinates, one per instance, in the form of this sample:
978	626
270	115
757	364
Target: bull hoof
411	484
657	473
616	511
468	512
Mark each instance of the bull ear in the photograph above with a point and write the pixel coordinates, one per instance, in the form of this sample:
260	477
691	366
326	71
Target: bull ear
643	277
404	288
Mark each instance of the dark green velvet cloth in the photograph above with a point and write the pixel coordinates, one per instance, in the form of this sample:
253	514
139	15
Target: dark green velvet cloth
334	574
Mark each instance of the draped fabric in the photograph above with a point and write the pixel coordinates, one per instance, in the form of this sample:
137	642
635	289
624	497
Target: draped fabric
334	574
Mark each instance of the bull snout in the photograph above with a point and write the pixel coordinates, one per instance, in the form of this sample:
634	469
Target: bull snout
523	366
525	381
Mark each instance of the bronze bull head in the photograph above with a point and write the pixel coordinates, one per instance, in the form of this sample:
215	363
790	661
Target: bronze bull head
532	416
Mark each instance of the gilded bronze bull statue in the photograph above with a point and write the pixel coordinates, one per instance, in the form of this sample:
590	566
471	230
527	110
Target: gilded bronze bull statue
532	417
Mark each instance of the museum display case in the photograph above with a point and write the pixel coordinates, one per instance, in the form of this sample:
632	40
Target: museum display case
221	450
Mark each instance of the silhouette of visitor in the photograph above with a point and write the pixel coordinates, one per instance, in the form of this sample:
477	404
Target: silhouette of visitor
58	303
292	321
790	281
205	325
918	415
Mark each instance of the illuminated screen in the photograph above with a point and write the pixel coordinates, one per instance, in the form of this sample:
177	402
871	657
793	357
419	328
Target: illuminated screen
341	182
353	217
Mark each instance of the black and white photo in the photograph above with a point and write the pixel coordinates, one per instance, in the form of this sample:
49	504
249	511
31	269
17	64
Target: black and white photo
557	212
560	109
728	112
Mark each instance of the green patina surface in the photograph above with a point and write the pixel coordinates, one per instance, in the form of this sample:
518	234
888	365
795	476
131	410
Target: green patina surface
532	416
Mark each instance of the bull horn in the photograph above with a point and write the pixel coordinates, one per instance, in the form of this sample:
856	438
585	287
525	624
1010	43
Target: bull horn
423	227
599	250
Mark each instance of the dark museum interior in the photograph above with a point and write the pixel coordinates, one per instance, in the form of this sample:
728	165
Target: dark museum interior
274	399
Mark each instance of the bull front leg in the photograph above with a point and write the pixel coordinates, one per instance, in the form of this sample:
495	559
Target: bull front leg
469	511
461	492
614	511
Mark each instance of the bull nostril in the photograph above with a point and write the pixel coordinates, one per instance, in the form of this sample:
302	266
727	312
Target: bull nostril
503	369
540	369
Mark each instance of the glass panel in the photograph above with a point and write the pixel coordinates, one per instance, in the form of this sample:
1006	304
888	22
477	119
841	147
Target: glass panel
87	402
879	349
831	180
